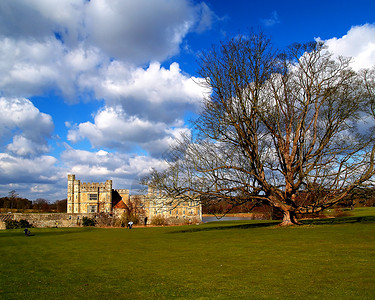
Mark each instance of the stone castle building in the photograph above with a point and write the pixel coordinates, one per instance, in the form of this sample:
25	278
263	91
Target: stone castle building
92	197
173	210
100	197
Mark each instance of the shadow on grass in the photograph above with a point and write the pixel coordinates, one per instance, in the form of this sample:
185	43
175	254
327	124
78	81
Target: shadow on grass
42	232
223	226
329	221
342	220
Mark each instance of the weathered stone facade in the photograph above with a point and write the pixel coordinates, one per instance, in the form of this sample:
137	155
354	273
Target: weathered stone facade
92	197
174	210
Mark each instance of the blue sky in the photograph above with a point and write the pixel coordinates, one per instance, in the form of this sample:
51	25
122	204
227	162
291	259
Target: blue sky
102	88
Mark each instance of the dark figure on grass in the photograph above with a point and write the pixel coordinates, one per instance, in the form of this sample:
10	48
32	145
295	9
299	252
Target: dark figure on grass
130	224
27	232
145	221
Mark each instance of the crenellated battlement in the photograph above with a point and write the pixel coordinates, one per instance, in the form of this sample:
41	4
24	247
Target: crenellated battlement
95	186
122	191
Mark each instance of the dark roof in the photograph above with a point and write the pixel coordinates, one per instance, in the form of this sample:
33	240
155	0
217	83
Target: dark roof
121	204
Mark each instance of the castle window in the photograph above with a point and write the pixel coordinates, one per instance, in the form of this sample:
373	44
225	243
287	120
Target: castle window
93	197
91	209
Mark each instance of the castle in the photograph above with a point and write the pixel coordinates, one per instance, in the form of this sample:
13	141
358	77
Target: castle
94	198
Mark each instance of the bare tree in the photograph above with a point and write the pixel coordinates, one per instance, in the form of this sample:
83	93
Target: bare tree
41	204
13	196
276	126
134	210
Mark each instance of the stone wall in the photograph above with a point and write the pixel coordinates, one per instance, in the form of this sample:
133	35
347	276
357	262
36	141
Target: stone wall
3	218
46	220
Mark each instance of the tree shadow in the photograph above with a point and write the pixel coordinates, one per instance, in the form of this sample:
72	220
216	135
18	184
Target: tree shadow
341	220
223	226
42	232
276	223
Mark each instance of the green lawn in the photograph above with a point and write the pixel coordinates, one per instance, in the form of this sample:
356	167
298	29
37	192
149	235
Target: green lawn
219	260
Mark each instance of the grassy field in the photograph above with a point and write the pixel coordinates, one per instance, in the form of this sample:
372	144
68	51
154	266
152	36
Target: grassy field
323	259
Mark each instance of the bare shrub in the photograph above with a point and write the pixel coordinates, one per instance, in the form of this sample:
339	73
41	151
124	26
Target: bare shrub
158	220
104	220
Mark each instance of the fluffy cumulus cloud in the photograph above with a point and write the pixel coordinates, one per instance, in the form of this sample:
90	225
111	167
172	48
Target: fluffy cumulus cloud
29	127
25	131
125	170
144	107
358	43
156	84
113	128
135	31
23	146
58	44
29	67
25	170
154	93
141	30
36	19
36	177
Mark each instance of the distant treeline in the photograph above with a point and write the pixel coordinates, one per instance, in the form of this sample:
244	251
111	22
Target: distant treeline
15	203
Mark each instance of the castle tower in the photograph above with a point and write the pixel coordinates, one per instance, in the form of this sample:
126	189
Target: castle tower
108	196
70	196
77	196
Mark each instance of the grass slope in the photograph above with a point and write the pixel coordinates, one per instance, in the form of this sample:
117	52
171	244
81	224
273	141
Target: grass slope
219	260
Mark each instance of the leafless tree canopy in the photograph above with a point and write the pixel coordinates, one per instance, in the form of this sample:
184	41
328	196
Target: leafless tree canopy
277	126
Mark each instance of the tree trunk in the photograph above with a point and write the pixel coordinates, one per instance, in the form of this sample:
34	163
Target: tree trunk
289	218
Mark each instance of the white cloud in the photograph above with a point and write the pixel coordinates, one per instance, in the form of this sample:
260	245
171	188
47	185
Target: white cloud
40	18
142	107
358	43
69	40
139	31
37	177
155	93
25	147
32	126
125	170
113	128
39	169
135	31
29	67
26	67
